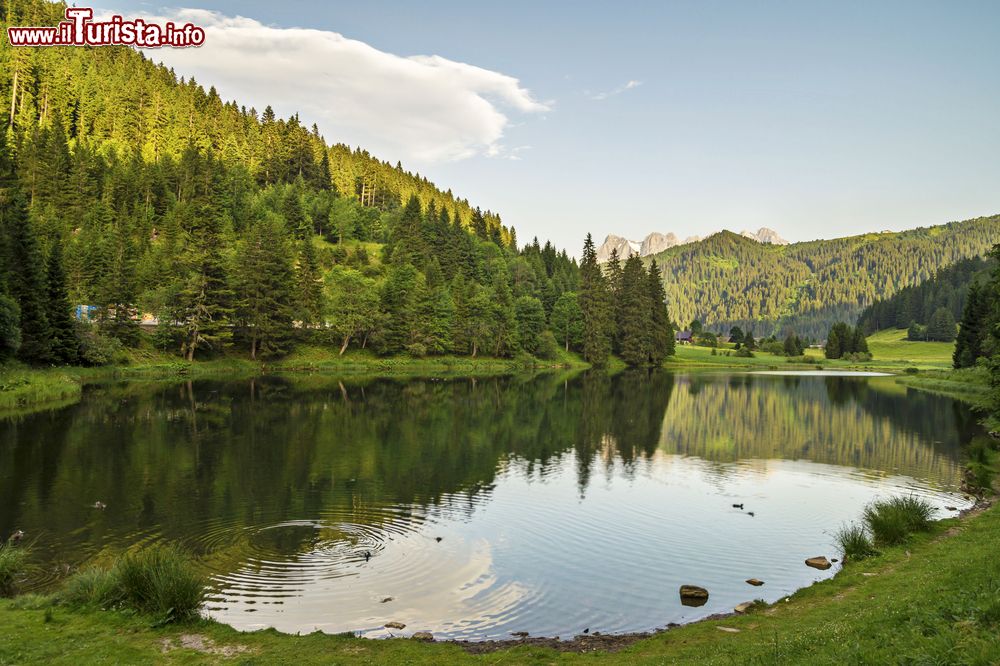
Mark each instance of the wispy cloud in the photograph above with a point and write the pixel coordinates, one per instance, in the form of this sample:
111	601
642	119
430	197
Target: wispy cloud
628	85
419	108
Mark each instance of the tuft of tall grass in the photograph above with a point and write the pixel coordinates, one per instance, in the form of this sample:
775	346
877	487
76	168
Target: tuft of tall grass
893	520
92	587
160	580
13	561
855	544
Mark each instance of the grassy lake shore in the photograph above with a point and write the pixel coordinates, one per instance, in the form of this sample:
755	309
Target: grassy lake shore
933	600
24	389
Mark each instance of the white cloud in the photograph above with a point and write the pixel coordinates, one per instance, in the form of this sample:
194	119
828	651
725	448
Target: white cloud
628	85
421	109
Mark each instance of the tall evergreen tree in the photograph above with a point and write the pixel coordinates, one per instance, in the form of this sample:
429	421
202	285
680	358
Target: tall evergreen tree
263	294
969	343
308	286
660	330
65	346
941	326
636	314
595	306
26	280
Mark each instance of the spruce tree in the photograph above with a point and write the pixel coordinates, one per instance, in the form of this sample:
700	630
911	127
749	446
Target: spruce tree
530	322
636	309
26	281
567	320
308	286
595	306
10	327
263	289
65	346
941	326
660	330
969	343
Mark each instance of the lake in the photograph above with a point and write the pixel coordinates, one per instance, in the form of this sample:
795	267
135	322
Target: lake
473	508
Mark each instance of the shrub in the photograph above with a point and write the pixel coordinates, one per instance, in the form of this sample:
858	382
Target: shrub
892	521
911	370
775	348
13	561
855	544
94	587
99	349
547	347
416	350
744	352
160	580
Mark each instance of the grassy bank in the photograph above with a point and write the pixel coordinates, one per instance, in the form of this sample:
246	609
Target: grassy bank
24	389
935	599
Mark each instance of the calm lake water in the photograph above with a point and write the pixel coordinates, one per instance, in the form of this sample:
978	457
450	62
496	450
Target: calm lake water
547	505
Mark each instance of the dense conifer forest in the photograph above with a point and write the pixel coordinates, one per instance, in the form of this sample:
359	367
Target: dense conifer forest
947	289
131	194
727	280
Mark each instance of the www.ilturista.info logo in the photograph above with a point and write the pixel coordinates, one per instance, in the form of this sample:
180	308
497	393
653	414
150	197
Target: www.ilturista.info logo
80	30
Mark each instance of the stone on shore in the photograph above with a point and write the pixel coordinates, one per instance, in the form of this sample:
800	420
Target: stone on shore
819	563
422	636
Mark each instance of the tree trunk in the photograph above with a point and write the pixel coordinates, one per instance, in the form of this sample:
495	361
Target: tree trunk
475	349
13	95
343	347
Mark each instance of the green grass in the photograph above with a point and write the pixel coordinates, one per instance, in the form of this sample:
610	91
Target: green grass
935	600
892	521
892	345
13	561
22	387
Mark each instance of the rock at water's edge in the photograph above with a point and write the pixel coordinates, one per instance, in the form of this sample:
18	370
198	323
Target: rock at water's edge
422	636
819	563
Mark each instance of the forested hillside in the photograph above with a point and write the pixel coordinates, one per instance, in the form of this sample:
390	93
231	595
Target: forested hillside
727	280
948	289
142	195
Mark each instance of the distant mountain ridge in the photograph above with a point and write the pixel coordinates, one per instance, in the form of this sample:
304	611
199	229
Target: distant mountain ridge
657	242
728	280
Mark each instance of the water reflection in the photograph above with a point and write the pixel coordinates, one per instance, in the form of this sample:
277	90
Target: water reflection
547	504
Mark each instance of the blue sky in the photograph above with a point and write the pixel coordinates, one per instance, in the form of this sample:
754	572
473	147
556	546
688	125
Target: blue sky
816	119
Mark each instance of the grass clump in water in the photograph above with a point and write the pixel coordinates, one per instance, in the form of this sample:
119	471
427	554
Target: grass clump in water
13	561
892	521
855	543
159	580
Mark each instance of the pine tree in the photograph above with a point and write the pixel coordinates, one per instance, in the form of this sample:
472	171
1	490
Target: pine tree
26	280
203	301
65	346
969	344
530	322
595	306
661	331
308	286
636	321
941	326
615	280
263	289
10	327
567	320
